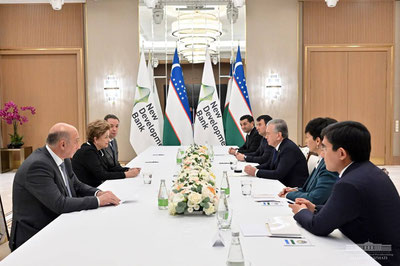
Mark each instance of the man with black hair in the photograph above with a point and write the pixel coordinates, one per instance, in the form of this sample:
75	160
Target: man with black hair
264	152
288	164
110	157
364	204
253	139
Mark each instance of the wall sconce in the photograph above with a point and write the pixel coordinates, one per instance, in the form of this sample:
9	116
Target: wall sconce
274	87
111	89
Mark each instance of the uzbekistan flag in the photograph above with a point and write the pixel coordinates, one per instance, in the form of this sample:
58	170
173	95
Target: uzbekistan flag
239	105
178	119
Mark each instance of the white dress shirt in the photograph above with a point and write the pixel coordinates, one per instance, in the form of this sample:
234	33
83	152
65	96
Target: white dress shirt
58	162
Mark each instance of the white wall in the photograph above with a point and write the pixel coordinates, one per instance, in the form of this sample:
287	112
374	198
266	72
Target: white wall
112	35
272	45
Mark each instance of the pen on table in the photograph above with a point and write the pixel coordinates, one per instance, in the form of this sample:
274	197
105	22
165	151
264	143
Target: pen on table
151	162
290	201
267	200
158	154
224	163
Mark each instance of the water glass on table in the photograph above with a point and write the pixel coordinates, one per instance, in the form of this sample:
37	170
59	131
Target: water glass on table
246	186
147	177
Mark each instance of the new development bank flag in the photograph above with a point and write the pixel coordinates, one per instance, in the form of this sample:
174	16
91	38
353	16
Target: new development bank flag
208	126
239	105
178	120
156	98
145	129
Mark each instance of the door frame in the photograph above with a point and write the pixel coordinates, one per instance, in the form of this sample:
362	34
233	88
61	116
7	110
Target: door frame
308	49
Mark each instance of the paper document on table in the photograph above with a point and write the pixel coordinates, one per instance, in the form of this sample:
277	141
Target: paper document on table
242	165
283	226
127	197
250	230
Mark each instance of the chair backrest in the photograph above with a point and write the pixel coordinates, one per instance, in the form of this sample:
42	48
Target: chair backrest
3	225
311	162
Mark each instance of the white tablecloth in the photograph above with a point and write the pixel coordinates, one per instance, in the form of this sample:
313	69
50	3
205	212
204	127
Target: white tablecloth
137	233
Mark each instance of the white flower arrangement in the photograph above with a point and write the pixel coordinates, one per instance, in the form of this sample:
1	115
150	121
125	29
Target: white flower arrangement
194	189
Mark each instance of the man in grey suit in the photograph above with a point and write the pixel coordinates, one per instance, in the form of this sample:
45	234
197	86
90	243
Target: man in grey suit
111	152
45	186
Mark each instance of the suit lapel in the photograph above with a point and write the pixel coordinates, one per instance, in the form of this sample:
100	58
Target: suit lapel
58	178
313	178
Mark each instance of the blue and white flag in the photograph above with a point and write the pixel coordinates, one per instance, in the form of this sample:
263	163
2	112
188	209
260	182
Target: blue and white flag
239	105
178	119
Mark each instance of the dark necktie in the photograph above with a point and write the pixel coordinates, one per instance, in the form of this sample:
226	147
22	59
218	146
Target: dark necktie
274	156
62	166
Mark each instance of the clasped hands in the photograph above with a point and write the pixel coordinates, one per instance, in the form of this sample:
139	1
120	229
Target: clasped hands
300	204
132	172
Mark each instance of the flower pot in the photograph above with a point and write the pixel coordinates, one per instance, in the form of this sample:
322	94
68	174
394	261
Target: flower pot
15	145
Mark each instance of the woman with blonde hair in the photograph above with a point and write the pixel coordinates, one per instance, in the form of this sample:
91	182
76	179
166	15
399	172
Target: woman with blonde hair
87	163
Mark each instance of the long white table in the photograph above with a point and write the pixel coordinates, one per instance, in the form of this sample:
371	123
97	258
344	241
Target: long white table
138	233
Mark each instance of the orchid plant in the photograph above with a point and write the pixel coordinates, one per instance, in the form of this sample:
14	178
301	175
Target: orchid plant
10	114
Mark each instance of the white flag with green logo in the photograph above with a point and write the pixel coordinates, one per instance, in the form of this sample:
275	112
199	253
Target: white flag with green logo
156	98
145	129
208	126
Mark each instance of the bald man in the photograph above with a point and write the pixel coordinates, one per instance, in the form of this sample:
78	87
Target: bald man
45	186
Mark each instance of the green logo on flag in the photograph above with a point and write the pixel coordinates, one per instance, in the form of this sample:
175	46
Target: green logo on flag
143	96
208	92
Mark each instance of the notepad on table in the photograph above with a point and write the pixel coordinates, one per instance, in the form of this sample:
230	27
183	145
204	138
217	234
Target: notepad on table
283	226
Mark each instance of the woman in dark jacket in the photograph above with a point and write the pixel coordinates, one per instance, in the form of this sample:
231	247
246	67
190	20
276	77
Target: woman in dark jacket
318	186
87	163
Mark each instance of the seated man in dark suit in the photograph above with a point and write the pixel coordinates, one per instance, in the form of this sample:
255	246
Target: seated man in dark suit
264	152
364	204
319	184
110	157
253	139
45	186
288	164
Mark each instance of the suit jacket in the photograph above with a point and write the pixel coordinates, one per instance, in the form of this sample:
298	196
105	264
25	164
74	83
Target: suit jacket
262	155
289	167
110	158
318	186
252	142
40	195
90	168
364	205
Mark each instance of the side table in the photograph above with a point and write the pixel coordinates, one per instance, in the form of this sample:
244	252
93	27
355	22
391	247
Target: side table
8	162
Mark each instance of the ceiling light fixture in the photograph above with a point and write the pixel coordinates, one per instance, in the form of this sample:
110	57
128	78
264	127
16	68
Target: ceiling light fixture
331	3
150	3
57	4
238	3
196	31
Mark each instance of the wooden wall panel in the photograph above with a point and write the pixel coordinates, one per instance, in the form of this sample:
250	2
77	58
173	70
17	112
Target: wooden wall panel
48	82
363	22
352	83
367	97
39	26
328	85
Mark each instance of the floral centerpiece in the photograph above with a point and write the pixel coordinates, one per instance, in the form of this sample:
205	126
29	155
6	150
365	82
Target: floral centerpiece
194	188
10	114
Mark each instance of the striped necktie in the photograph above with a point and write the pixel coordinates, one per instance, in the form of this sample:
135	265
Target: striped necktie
62	166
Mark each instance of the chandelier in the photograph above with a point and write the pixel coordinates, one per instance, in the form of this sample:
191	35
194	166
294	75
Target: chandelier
196	31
